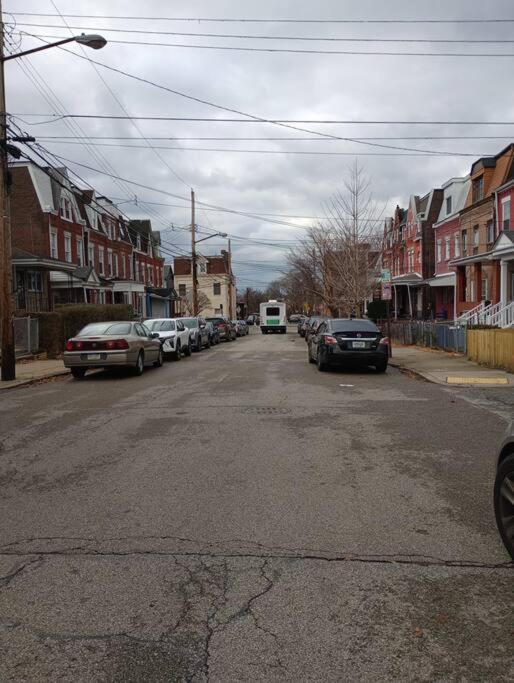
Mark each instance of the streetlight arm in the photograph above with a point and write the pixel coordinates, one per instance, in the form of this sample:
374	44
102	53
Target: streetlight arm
94	41
216	234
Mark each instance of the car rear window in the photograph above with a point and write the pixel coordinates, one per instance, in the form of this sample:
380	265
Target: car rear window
355	325
105	328
272	310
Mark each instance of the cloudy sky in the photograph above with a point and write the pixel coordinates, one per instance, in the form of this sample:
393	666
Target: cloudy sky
268	178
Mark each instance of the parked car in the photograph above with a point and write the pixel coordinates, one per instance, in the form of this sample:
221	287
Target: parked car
240	327
295	317
113	344
198	333
301	321
312	325
174	336
302	327
214	333
244	327
250	320
504	490
224	327
348	341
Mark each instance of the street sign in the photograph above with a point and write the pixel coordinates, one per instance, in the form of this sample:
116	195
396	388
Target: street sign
385	275
387	294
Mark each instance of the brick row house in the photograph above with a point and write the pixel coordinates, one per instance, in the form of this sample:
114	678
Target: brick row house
73	246
216	285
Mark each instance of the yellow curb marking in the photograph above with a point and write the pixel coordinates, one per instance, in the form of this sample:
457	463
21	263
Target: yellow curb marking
477	380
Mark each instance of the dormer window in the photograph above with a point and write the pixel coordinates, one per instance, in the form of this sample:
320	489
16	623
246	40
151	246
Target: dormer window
448	205
478	189
138	242
65	209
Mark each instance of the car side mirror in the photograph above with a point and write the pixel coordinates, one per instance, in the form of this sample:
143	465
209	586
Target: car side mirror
202	327
154	335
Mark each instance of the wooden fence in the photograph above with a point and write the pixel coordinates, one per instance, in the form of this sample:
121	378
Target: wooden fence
494	348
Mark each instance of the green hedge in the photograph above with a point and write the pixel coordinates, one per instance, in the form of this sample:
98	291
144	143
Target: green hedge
57	327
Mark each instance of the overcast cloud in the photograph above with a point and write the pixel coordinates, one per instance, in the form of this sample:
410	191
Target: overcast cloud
269	85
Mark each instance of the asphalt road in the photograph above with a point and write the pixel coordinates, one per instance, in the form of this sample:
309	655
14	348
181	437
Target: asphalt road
240	516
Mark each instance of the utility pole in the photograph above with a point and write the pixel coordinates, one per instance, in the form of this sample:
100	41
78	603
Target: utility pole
6	307
230	281
193	255
247	301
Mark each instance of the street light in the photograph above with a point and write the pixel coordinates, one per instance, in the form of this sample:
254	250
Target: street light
8	362
92	40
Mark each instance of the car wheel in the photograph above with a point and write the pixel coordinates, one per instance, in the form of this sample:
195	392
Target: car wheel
178	352
198	345
322	364
309	355
78	373
208	345
187	350
504	502
381	367
160	359
140	364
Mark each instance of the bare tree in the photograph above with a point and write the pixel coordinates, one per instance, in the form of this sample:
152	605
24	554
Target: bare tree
337	262
187	302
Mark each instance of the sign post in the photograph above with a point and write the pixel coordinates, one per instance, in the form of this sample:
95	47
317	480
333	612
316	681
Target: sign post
387	295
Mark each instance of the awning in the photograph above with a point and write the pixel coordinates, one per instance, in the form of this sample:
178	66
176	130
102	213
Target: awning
411	279
442	281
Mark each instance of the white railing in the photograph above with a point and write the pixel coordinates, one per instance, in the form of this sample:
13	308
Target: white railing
504	316
472	317
489	313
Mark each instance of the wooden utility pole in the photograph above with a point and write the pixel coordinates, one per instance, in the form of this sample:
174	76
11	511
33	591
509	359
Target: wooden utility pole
230	282
247	301
193	255
6	307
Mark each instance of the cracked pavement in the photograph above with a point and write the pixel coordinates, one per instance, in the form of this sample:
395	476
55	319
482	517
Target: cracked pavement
239	516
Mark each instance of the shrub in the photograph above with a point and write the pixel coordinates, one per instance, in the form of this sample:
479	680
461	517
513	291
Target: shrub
57	327
377	309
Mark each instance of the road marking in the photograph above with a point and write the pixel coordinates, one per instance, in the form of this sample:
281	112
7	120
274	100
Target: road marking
222	378
476	380
347	385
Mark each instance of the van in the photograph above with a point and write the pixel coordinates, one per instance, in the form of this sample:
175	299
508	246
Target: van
273	317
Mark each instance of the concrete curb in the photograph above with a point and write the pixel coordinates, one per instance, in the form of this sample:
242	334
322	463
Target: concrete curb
31	380
415	373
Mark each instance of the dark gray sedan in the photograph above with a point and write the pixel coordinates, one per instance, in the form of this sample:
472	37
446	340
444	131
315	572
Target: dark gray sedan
113	344
504	490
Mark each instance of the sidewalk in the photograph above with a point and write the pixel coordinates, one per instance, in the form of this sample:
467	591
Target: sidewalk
33	370
447	368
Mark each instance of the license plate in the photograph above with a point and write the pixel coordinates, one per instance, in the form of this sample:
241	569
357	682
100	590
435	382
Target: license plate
359	345
93	356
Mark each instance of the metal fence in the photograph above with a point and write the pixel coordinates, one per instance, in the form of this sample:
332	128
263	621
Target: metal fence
436	335
26	336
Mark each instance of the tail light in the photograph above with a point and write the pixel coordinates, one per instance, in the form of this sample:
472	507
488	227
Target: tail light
329	340
70	346
117	344
384	341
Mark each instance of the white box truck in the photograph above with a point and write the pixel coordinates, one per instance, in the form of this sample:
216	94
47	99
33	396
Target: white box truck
273	317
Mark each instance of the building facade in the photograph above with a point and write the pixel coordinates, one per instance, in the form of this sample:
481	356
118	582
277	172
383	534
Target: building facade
216	285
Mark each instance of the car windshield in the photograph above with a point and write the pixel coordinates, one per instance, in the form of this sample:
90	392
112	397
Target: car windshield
161	325
191	323
104	329
355	325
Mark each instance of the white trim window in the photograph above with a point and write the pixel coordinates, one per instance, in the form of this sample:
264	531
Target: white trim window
448	205
115	264
447	248
109	263
506	213
91	255
101	257
54	245
68	257
101	296
138	242
439	251
80	251
65	211
456	245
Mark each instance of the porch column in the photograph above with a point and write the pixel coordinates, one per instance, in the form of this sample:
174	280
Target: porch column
504	282
495	284
478	282
395	303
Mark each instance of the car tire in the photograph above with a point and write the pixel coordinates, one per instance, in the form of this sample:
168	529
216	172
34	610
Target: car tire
178	352
160	359
198	345
503	506
309	355
78	373
140	364
187	350
322	364
381	367
208	345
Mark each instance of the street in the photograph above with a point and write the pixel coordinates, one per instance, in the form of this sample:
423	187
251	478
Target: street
240	516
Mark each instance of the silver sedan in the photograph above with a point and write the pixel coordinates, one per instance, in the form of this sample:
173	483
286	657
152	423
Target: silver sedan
113	344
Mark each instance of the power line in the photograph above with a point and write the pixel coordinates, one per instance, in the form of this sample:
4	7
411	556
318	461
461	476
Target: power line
234	48
274	151
328	39
272	138
247	20
242	113
211	119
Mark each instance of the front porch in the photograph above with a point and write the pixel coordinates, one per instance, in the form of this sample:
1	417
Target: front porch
32	281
